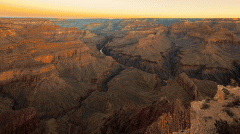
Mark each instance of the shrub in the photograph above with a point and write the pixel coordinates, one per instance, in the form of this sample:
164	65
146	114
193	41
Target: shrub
234	102
228	111
222	127
204	105
206	118
207	100
235	126
225	91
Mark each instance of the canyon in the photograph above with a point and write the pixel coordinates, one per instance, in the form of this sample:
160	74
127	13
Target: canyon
119	76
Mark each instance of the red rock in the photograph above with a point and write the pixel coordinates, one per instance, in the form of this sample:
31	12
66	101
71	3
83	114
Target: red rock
221	94
50	68
135	120
189	86
171	122
20	121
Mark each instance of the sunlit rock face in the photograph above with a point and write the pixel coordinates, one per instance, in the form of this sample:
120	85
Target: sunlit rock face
39	61
141	49
206	49
210	49
211	115
122	76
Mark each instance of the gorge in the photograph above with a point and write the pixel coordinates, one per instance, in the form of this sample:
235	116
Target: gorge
119	76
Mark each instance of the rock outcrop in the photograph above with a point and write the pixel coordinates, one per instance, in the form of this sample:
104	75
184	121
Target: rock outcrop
189	86
218	115
135	120
177	119
19	121
209	49
39	63
119	76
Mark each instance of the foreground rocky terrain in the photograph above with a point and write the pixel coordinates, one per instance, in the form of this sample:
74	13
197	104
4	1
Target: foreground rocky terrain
126	76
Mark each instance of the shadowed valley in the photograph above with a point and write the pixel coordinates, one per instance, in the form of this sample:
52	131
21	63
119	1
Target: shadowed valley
119	76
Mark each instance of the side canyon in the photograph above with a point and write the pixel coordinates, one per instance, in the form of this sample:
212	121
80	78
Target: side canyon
126	76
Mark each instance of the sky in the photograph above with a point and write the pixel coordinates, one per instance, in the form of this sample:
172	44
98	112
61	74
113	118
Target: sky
121	8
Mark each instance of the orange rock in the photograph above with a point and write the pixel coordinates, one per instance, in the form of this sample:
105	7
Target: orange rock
221	94
45	59
6	75
32	51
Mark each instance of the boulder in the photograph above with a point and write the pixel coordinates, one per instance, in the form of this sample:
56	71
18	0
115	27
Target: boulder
221	94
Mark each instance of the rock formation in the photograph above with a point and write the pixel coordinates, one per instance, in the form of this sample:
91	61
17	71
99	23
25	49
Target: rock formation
39	63
19	121
119	76
177	119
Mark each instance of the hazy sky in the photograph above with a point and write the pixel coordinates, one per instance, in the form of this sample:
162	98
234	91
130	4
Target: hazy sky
121	8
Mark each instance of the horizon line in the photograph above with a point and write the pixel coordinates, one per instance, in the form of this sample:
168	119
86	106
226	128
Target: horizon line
121	18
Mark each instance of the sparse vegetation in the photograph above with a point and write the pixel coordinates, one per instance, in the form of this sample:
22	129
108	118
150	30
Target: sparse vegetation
207	100
234	102
235	125
206	118
229	112
222	127
233	83
225	91
205	105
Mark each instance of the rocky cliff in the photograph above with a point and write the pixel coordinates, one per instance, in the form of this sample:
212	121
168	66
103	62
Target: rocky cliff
206	50
39	64
128	76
